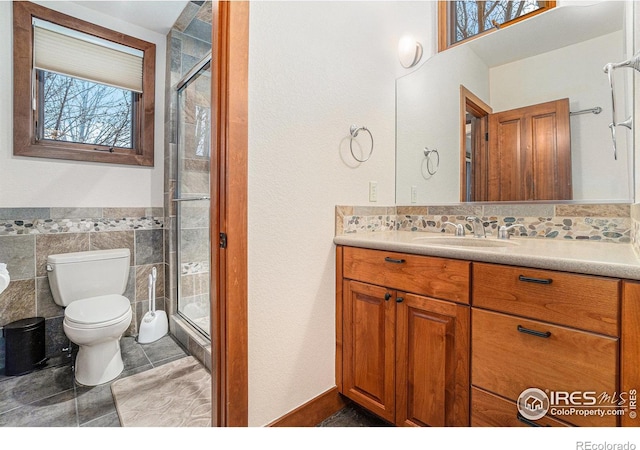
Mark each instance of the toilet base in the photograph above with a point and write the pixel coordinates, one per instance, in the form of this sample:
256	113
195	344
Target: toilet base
98	364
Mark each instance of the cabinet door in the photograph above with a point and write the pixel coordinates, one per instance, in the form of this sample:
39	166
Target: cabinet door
432	362
368	347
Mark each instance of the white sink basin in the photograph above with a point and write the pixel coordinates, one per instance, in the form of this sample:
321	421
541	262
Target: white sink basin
451	241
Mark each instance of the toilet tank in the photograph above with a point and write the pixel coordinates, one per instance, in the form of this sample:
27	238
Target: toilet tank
74	276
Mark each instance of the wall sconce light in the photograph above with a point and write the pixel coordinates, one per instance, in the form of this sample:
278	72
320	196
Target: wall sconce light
409	52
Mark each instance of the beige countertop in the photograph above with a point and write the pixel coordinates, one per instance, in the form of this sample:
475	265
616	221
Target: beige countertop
588	257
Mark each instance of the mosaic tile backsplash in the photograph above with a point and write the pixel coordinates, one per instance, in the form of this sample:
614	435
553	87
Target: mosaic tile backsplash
606	222
50	226
29	235
635	232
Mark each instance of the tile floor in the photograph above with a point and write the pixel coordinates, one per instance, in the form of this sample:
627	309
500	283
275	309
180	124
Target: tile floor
50	397
353	415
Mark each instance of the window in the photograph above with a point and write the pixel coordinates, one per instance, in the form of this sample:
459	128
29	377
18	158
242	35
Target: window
83	112
462	20
81	92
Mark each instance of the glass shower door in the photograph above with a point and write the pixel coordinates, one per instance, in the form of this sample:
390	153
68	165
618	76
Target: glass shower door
193	196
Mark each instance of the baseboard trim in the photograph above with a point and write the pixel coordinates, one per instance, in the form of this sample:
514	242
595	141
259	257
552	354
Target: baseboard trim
314	411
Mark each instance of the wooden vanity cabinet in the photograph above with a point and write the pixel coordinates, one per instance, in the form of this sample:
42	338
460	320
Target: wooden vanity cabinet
429	341
630	352
542	329
403	338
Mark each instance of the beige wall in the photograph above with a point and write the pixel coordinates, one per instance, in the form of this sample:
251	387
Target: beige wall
315	68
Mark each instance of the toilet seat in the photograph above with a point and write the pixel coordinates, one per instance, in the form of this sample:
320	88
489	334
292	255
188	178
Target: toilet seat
96	312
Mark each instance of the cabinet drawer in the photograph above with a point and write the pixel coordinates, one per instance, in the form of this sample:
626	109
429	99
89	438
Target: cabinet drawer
434	277
581	301
489	410
507	359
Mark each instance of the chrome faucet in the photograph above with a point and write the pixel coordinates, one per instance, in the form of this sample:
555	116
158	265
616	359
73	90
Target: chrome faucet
503	231
459	228
478	227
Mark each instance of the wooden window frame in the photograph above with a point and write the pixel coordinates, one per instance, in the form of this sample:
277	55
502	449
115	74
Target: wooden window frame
25	142
445	22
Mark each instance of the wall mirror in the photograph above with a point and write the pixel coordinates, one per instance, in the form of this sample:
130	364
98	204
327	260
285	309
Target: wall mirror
558	55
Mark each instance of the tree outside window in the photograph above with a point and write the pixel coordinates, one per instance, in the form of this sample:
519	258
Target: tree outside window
75	110
462	20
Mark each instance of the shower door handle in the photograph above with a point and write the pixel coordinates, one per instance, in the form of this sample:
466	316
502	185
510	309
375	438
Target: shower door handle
191	199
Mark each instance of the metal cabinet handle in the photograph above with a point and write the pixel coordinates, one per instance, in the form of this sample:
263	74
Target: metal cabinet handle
395	261
387	296
542	334
531	423
399	300
535	280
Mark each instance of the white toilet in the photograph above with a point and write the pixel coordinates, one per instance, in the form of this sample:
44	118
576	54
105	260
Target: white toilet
90	286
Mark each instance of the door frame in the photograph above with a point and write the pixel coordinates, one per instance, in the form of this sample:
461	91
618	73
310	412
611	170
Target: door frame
469	102
228	214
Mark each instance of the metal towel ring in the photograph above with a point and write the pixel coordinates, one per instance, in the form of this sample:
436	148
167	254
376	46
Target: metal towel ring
427	154
353	131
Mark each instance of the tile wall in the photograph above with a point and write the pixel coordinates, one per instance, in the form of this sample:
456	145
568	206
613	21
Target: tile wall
594	222
187	43
29	235
635	231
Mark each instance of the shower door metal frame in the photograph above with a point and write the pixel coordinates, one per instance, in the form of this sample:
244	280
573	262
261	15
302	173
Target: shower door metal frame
189	77
195	70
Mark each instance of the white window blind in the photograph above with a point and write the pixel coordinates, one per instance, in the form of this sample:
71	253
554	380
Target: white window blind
69	52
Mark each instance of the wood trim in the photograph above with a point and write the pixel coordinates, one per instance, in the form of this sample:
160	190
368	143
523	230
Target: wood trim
230	86
24	133
314	411
630	347
480	109
339	301
545	6
217	273
443	27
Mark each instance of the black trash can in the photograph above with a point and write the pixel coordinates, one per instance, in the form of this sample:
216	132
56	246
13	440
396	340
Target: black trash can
24	346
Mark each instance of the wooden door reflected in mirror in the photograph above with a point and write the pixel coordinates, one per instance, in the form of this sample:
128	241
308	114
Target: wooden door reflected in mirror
515	155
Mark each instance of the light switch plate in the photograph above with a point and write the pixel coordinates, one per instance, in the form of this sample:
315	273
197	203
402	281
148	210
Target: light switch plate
373	191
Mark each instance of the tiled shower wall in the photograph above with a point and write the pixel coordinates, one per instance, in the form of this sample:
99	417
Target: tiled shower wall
187	43
29	235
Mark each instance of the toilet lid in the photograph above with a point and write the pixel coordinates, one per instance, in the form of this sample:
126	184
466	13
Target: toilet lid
94	310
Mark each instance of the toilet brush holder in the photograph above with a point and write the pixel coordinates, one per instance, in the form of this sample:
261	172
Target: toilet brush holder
153	326
154	323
